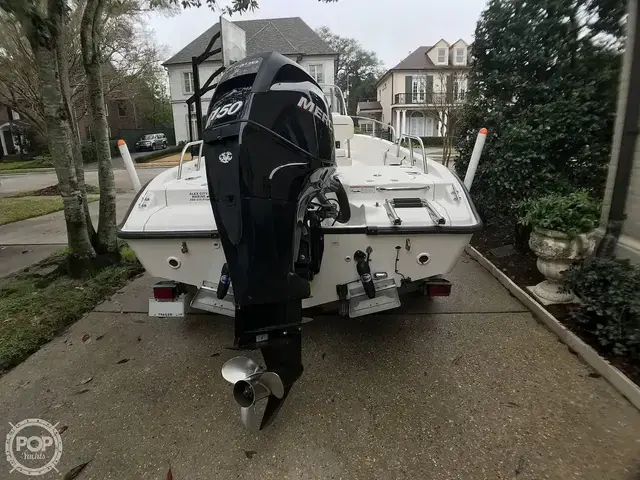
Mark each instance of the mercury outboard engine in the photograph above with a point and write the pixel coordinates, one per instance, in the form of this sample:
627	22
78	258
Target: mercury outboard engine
270	159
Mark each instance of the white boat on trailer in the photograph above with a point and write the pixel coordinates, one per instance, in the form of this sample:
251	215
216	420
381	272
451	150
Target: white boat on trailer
412	212
284	207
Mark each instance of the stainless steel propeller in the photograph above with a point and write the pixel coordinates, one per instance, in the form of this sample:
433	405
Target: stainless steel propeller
251	384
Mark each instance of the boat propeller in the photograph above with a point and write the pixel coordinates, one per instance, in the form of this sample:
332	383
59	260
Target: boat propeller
251	384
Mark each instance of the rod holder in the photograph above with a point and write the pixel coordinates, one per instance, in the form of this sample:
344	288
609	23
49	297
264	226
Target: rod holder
128	163
475	158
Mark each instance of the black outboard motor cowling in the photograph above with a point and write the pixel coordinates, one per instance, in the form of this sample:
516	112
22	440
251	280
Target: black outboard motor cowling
269	151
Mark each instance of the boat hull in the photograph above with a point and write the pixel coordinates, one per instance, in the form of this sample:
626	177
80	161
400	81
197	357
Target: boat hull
193	261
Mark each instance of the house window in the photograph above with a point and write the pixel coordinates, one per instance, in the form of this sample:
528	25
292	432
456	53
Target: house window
418	89
460	88
459	56
194	126
187	82
316	72
442	56
122	109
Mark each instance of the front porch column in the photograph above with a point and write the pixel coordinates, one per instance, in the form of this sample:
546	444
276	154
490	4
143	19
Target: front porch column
373	129
4	145
439	130
398	125
445	122
404	122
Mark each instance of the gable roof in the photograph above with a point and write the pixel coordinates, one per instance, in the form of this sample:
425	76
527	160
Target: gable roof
284	35
369	105
419	60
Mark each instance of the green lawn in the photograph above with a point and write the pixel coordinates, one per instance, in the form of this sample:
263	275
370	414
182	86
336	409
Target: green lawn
39	302
22	166
14	209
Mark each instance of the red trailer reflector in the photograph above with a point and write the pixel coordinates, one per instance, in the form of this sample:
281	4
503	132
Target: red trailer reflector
439	288
165	291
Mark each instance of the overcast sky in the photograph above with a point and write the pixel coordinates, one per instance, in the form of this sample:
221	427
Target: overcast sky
391	28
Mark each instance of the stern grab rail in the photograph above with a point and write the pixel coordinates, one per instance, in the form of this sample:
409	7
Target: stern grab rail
184	150
413	137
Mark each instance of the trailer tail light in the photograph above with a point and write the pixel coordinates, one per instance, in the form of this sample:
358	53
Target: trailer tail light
165	291
438	288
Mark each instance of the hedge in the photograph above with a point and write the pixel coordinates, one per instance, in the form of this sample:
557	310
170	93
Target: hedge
88	150
433	141
158	154
610	304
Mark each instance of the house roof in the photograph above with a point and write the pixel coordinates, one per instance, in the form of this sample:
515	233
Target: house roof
419	60
284	35
369	105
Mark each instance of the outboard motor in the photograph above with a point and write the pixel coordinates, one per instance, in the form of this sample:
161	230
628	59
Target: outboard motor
269	150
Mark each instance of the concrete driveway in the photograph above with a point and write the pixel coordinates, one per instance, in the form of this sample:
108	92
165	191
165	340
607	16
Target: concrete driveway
466	387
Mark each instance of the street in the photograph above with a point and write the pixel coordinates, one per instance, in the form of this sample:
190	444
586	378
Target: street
32	181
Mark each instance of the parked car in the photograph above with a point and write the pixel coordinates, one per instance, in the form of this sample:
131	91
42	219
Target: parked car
152	141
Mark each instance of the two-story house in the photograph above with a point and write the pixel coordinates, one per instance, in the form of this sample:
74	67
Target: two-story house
420	95
291	37
8	144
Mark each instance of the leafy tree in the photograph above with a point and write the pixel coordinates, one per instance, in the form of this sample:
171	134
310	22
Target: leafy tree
237	6
43	25
543	81
153	103
357	70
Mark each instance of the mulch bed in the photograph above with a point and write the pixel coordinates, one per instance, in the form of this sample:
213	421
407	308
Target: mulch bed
520	266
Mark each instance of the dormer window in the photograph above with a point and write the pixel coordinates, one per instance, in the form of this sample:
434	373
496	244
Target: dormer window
442	56
459	56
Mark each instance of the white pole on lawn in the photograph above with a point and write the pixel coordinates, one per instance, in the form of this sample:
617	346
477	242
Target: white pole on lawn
128	163
475	158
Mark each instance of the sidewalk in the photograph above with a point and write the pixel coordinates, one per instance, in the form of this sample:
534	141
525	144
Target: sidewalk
466	387
30	241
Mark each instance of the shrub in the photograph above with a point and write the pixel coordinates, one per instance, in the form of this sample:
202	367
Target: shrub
160	153
88	150
433	141
113	146
573	214
547	129
610	310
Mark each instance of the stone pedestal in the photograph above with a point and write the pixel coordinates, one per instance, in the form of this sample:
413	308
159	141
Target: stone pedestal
556	252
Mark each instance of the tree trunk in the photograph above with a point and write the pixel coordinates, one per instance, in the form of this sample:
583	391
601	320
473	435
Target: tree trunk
75	141
91	36
59	135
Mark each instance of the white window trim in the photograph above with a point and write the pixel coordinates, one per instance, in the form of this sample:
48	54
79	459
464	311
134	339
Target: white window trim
182	82
419	88
446	55
317	67
464	55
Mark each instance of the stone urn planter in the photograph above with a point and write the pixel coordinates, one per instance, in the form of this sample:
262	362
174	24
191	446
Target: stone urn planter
556	252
